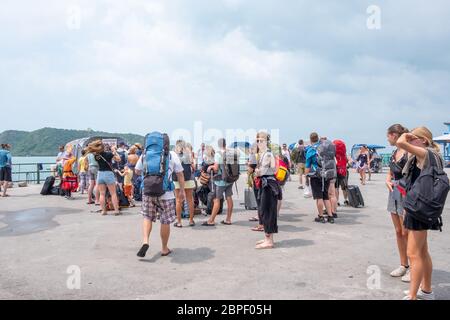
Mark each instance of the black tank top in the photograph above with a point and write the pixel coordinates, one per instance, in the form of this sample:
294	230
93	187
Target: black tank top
397	166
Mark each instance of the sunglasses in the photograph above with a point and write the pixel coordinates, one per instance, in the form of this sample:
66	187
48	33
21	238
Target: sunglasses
259	141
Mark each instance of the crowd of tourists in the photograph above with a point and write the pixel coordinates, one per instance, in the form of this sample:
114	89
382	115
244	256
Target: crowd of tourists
172	184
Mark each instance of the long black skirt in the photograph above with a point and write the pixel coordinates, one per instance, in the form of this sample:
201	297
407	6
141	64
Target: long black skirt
267	208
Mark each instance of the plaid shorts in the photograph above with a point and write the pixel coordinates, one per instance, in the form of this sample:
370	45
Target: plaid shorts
155	208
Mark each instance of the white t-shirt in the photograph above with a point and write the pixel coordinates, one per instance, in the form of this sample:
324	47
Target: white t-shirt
174	166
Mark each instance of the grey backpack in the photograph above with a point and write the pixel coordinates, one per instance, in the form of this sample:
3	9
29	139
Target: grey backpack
326	160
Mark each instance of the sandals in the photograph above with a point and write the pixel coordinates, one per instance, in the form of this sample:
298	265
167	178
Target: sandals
166	254
254	219
143	250
192	224
92	202
206	224
226	223
178	225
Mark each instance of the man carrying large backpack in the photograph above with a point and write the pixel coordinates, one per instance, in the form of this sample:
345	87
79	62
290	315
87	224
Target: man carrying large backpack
157	164
320	170
298	157
226	165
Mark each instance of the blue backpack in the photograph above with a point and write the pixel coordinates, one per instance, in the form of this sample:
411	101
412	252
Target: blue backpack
156	165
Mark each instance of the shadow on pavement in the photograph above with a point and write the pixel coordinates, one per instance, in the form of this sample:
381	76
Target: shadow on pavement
293	243
185	255
29	221
291	228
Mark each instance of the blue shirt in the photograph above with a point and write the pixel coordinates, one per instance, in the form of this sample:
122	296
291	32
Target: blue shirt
5	158
311	157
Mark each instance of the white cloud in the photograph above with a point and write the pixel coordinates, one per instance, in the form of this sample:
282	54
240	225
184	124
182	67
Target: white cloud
300	67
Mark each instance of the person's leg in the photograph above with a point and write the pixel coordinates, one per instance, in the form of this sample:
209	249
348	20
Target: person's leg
337	186
102	190
332	197
229	209
269	206
215	211
91	190
115	200
320	205
416	248
401	239
329	207
178	205
5	187
190	200
279	203
219	192
165	234
300	175
427	269
146	230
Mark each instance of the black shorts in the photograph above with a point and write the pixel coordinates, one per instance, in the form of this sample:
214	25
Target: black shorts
5	174
341	182
319	188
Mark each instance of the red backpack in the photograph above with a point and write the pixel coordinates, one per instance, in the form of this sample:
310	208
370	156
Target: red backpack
341	157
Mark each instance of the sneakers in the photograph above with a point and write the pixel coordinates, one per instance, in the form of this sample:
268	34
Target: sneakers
320	219
421	295
399	272
407	277
346	202
335	215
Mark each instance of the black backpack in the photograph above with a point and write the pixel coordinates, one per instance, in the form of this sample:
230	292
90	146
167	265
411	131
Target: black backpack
425	199
230	169
187	170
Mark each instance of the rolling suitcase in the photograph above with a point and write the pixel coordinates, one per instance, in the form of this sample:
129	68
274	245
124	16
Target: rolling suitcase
250	200
48	185
355	197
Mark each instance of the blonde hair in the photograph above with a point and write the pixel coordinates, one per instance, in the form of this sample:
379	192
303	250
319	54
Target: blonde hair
209	154
180	146
132	150
425	133
265	136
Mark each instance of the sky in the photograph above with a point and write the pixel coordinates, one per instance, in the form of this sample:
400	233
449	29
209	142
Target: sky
291	66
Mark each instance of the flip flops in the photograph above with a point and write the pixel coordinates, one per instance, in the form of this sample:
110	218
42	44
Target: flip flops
206	224
143	250
226	223
254	219
166	254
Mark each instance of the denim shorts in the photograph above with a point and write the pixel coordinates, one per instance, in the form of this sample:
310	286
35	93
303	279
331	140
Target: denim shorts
106	177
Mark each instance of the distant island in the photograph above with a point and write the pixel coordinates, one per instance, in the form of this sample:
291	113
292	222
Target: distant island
45	141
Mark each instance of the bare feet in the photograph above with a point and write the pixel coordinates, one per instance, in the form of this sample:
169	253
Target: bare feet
264	245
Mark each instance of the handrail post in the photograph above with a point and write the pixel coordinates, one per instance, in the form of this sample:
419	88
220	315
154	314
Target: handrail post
38	174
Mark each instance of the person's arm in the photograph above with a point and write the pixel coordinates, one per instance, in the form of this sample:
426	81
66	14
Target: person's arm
116	156
9	159
389	180
404	142
139	166
119	173
308	163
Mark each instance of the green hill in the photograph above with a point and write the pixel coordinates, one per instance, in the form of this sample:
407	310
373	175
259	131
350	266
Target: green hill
45	141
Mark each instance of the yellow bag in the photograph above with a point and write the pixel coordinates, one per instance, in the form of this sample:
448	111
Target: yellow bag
281	174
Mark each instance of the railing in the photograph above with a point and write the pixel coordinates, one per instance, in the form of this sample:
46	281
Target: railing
31	172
